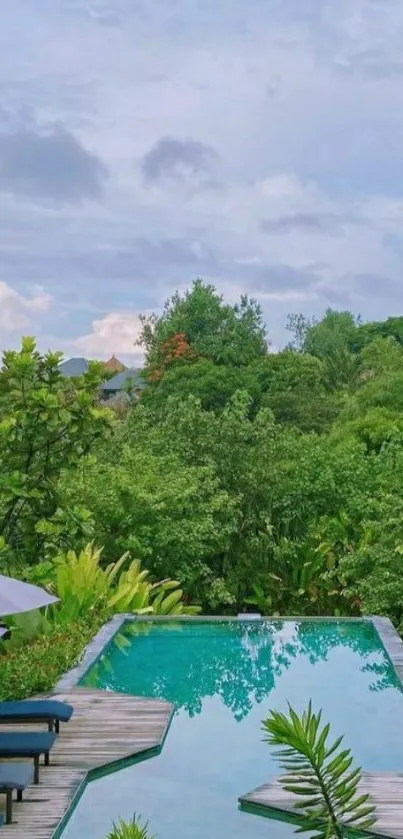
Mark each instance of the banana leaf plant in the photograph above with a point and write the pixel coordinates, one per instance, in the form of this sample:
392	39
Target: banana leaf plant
319	773
83	585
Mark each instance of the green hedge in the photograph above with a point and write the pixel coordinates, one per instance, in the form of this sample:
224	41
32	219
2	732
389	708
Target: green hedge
37	666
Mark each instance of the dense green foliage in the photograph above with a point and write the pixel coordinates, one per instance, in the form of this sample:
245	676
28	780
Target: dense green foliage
83	586
34	666
256	479
48	424
42	646
320	774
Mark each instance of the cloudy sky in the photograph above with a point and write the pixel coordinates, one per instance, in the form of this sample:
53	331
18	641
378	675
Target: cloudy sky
146	142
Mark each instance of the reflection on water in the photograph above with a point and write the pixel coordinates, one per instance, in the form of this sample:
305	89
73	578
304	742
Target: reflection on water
223	679
238	662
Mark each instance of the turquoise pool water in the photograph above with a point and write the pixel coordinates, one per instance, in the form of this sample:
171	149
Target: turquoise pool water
223	679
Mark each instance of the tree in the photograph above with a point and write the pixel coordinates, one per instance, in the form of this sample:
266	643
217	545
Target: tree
242	450
212	384
200	324
368	332
298	325
381	356
48	424
148	499
334	333
331	340
292	385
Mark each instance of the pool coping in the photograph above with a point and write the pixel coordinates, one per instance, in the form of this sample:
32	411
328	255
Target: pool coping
388	635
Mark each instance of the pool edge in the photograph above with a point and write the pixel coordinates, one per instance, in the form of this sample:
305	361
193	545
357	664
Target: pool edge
391	642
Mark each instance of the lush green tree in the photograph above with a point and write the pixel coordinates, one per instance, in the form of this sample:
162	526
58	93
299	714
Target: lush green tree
380	392
335	332
374	428
242	450
200	323
213	384
368	332
298	324
48	425
330	339
147	499
293	386
245	474
381	356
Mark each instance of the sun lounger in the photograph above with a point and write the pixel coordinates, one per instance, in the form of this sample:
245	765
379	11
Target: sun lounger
27	744
14	776
50	711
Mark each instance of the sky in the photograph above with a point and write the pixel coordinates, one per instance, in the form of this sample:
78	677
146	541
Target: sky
144	143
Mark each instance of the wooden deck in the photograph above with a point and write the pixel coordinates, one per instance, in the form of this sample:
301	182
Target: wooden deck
106	729
386	790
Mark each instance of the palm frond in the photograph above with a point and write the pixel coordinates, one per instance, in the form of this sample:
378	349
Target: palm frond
319	773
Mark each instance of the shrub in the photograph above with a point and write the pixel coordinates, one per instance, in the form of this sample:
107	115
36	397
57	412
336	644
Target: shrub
36	666
129	830
83	586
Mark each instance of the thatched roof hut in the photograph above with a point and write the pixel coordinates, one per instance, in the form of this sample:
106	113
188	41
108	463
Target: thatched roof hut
114	365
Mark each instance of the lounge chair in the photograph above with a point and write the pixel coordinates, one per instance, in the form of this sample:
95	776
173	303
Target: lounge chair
27	744
50	711
14	776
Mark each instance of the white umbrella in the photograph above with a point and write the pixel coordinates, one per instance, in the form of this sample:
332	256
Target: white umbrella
3	631
16	596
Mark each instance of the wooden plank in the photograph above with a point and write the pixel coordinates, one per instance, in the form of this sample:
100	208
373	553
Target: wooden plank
385	789
105	728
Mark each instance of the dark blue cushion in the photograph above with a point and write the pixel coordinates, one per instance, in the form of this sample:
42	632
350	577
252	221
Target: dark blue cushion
2	820
16	775
25	744
44	709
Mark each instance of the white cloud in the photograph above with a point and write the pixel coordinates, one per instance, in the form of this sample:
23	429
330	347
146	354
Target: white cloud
116	333
18	312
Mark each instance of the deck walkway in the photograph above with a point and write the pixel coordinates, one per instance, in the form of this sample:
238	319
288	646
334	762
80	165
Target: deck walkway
106	728
386	790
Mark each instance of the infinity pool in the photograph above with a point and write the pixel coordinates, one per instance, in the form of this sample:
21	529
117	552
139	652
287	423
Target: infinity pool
223	678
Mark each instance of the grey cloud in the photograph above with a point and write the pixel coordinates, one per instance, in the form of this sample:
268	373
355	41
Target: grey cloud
175	158
303	222
143	258
375	285
79	266
282	277
51	164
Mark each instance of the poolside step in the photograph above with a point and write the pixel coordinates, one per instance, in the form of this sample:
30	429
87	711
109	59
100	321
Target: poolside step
385	789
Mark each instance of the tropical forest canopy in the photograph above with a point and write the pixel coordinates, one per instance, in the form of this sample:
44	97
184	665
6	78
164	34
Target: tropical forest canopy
257	479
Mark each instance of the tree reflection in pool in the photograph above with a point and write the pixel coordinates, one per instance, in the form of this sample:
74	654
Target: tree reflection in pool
223	678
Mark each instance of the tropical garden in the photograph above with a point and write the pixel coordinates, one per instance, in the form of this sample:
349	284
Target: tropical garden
240	479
